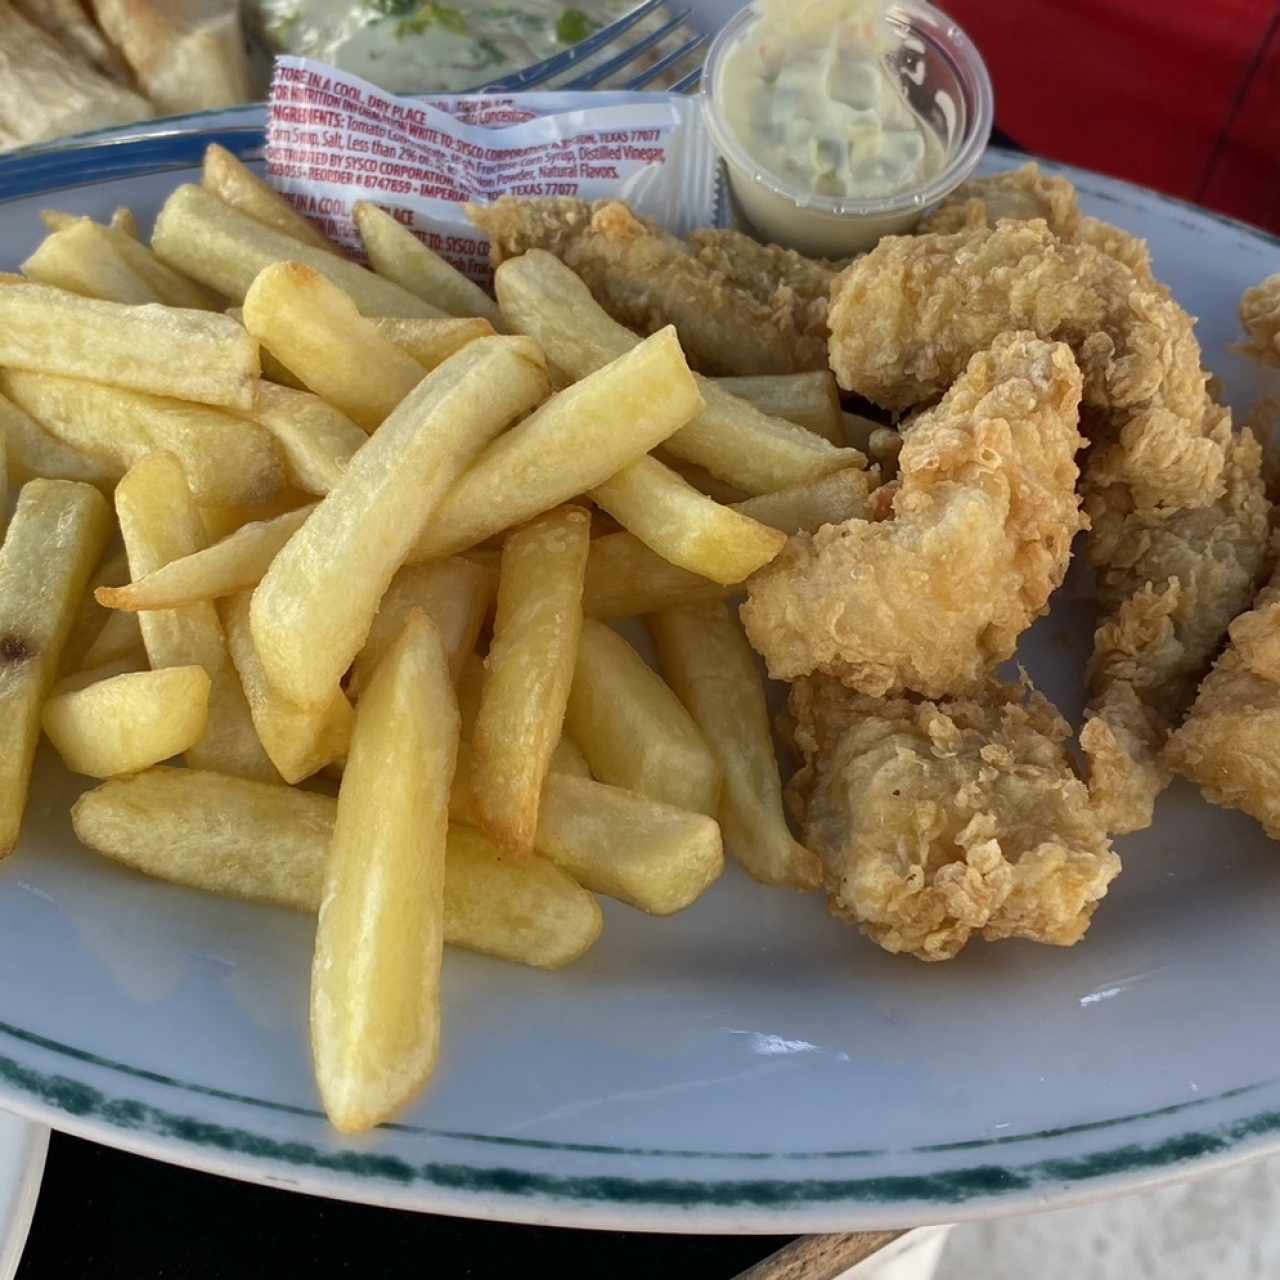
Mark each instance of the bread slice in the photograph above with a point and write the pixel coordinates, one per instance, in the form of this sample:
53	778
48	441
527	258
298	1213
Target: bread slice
47	91
187	55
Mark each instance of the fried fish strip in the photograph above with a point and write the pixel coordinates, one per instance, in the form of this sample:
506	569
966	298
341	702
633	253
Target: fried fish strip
738	306
980	534
1167	485
1229	744
938	821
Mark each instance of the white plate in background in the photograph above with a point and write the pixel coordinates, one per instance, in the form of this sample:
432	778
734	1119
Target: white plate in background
22	1150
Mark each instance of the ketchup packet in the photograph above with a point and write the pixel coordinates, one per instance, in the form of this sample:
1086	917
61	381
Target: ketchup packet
334	139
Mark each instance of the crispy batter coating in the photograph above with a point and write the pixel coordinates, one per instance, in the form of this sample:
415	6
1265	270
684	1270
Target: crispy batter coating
1025	194
979	535
1230	742
936	821
1260	316
1172	494
739	307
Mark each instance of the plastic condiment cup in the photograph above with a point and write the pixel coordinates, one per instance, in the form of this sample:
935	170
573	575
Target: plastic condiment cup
943	77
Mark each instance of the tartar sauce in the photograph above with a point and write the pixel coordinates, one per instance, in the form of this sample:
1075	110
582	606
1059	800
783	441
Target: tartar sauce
808	96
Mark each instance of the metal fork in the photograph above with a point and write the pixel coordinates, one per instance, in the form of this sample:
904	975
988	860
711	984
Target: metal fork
562	63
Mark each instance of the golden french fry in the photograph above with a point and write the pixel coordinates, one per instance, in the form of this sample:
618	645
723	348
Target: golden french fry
633	730
859	430
317	333
528	672
160	523
567	758
112	571
221	522
120	638
701	478
395	252
684	526
126	723
124	666
270	844
315	440
375	981
191	355
227	459
123	220
470	682
232	182
34	452
810	400
55	538
82	259
430	342
225	249
234	564
732	439
313	609
454	594
579	438
56	219
649	855
299	741
883	448
625	578
109	263
706	659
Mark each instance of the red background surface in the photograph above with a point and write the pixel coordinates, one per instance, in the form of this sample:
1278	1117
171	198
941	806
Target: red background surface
1180	95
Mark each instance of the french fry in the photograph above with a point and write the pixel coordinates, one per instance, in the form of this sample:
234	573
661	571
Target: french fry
234	564
299	742
56	219
109	263
234	183
883	448
81	259
227	460
78	680
684	526
4	483
454	594
271	843
313	609
124	221
221	522
190	355
701	478
706	659
528	672
375	981
470	682
396	253
120	639
431	342
647	854
34	452
577	440
56	537
126	723
317	333
859	430
112	571
633	730
810	400
159	523
732	439
315	440
624	578
225	249
567	758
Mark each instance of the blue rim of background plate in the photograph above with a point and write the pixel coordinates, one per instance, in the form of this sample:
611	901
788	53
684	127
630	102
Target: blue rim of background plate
162	146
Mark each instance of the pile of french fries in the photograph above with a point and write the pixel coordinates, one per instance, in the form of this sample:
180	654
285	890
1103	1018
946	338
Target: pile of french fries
272	508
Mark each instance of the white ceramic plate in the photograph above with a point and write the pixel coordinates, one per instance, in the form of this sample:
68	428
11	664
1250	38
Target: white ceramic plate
750	1065
23	1144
